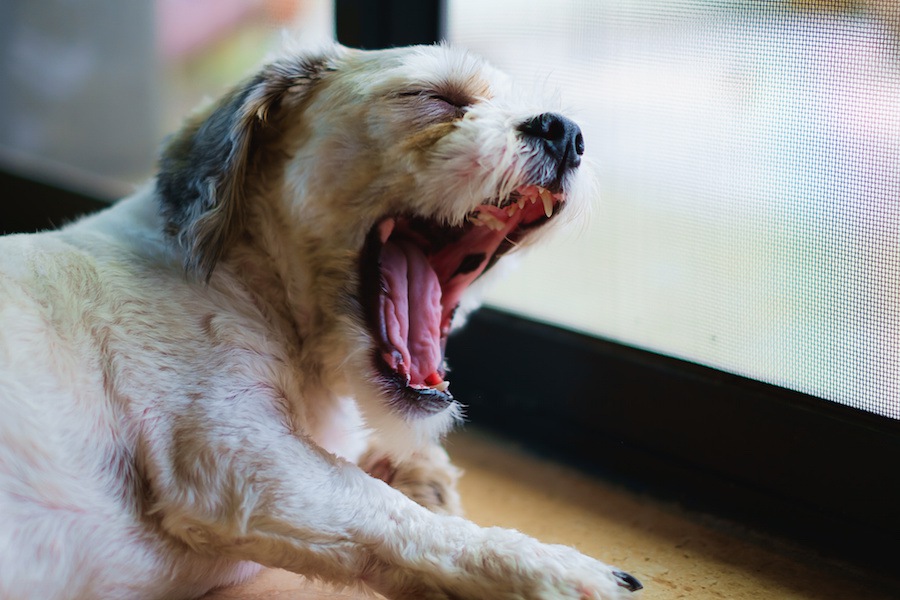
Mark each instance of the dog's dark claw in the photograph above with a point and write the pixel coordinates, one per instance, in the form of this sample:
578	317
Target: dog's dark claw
627	581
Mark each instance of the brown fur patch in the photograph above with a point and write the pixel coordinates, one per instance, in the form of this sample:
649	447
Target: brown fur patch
420	142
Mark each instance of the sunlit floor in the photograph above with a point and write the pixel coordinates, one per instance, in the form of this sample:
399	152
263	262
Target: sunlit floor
674	554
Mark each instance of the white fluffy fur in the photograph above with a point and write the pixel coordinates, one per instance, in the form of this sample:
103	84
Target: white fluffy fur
161	434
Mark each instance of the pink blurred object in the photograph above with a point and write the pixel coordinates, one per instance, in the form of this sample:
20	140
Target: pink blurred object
185	27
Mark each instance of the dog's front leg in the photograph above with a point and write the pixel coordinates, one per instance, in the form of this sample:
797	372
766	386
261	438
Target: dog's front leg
252	490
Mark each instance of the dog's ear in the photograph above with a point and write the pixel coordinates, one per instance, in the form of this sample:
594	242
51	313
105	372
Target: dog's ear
205	169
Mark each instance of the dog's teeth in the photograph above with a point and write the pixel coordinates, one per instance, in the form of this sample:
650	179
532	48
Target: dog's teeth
475	220
490	221
436	382
513	208
548	203
521	203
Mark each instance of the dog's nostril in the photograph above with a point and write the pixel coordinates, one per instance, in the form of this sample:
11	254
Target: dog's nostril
547	126
553	128
561	137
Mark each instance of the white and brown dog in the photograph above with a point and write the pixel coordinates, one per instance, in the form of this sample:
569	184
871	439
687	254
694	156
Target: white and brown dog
224	370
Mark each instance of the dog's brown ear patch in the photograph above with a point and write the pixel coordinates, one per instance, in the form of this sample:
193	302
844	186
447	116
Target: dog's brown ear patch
206	168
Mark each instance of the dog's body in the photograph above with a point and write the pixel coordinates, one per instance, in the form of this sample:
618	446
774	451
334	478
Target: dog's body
163	433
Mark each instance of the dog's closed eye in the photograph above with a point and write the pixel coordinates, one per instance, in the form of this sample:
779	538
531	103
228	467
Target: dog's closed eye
437	104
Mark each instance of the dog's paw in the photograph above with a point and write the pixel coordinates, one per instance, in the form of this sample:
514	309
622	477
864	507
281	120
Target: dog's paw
510	565
491	564
500	564
561	573
426	477
589	579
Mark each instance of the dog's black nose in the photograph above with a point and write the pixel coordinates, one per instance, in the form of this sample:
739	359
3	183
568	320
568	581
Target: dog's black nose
560	136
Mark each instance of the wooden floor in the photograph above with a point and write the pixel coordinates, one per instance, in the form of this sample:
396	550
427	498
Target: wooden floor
674	554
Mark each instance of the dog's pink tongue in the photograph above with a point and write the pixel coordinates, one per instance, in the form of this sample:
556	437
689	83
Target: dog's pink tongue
411	311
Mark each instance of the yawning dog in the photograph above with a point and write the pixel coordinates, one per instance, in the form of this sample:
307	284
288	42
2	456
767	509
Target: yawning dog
233	367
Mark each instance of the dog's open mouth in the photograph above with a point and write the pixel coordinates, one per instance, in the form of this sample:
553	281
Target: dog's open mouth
414	272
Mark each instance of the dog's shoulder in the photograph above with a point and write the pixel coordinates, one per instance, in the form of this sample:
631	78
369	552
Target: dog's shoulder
80	259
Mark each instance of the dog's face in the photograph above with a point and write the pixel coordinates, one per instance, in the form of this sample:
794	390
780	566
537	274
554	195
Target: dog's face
403	176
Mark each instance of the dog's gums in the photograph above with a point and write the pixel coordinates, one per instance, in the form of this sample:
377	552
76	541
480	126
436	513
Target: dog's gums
414	271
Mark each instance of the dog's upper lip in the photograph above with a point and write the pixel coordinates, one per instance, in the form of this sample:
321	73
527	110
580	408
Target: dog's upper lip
414	271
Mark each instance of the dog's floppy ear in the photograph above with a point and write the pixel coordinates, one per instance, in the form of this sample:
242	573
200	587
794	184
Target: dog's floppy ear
205	169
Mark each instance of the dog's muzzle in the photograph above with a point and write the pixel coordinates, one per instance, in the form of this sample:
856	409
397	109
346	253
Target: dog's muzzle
414	269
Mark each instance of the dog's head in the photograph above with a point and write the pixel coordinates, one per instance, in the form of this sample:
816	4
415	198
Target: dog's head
387	183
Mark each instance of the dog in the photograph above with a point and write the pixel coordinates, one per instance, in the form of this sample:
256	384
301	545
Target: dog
242	364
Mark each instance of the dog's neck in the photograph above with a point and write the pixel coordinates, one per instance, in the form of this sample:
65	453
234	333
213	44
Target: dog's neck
290	272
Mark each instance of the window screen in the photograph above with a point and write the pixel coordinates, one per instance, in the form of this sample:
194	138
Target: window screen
748	162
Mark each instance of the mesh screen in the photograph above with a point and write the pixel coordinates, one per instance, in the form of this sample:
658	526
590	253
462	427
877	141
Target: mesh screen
748	158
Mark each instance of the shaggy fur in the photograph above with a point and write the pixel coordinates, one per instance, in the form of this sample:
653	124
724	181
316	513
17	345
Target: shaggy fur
189	379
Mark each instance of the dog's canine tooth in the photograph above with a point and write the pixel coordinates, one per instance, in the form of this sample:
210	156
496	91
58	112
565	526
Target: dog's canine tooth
548	203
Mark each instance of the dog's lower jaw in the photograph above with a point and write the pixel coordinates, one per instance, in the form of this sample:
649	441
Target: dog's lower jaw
401	433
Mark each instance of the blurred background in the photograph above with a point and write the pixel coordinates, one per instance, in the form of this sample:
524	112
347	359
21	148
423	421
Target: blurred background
747	154
91	88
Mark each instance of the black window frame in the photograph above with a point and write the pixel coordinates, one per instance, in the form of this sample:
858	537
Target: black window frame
817	472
